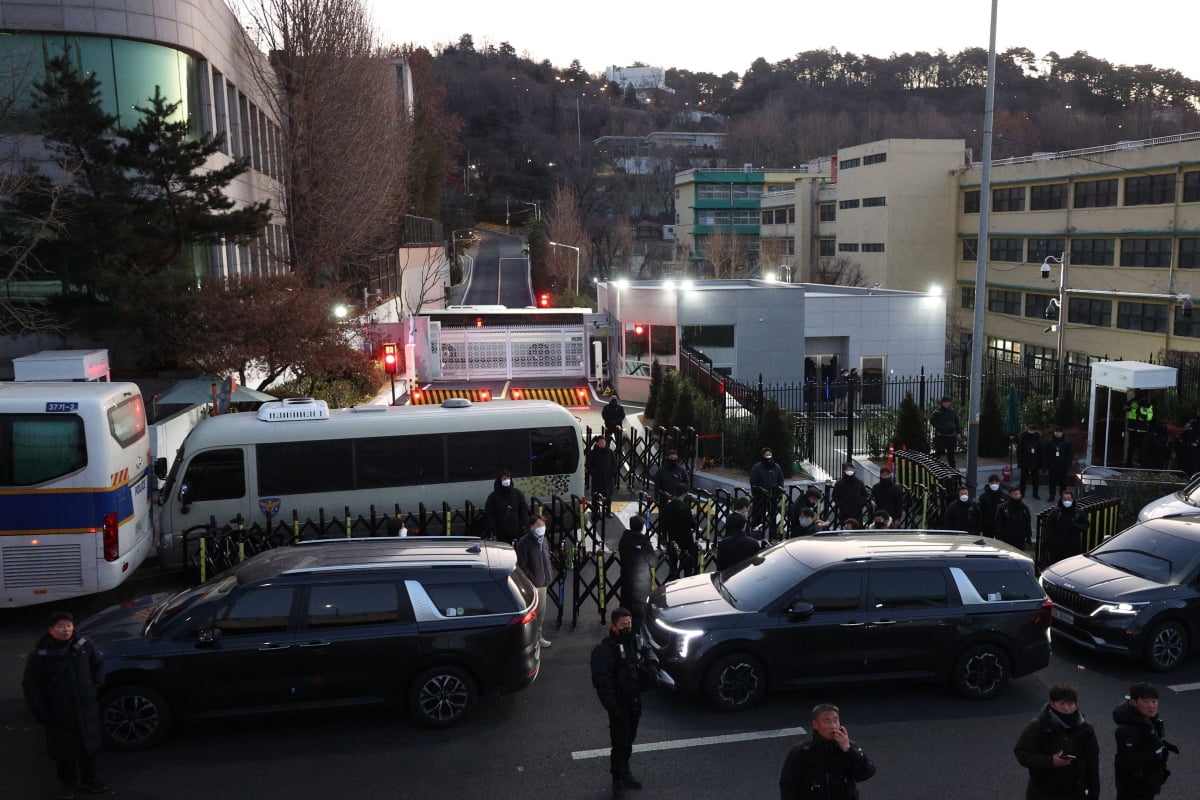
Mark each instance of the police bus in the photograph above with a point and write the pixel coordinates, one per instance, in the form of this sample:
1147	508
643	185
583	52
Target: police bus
296	455
74	488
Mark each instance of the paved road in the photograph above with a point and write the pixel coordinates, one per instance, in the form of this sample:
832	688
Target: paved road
926	742
501	273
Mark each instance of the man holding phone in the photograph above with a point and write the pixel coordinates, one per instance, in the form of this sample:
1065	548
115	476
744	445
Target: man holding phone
829	766
1060	750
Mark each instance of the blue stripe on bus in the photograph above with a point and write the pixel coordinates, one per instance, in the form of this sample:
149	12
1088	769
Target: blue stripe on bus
63	510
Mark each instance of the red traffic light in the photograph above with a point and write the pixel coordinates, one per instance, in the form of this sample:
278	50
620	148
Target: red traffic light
390	358
544	300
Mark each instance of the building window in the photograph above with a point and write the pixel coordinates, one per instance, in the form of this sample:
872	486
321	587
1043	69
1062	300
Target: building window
877	158
1093	252
744	191
1191	187
846	247
1083	311
1146	190
644	343
1145	317
827	212
971	202
1039	249
848	204
706	335
1048	197
778	216
1146	253
1009	199
1007	249
1002	301
1186	326
1004	350
869	202
1096	194
968	297
849	163
712	191
1189	253
872	247
970	250
779	246
827	247
1036	305
1040	357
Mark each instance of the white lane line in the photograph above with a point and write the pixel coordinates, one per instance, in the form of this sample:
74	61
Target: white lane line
678	744
1184	687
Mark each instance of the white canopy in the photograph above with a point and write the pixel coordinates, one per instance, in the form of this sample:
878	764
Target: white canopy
1122	376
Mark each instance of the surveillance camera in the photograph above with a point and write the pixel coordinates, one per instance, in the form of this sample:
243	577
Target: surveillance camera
1045	270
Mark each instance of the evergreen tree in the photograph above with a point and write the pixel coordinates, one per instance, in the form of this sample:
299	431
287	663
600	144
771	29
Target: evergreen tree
656	381
1064	410
911	428
775	430
683	416
992	441
667	397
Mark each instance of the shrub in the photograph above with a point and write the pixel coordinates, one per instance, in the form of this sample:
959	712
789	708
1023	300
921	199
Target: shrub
912	429
775	431
992	441
667	397
656	380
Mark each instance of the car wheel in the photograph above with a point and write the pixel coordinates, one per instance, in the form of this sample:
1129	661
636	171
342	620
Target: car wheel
1166	646
735	682
442	697
981	671
134	717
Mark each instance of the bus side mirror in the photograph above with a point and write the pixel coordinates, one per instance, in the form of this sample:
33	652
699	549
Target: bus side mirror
185	498
160	468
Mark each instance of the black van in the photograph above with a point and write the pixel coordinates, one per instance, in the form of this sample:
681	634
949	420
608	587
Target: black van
847	607
431	622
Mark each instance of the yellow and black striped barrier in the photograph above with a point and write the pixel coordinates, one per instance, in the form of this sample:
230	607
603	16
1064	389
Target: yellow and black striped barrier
434	397
563	395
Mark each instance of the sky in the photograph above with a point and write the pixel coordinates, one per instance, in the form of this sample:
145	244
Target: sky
686	36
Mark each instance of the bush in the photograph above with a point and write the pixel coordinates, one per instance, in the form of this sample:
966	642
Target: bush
1067	412
741	434
879	426
912	429
667	397
683	416
775	432
1038	411
993	443
656	380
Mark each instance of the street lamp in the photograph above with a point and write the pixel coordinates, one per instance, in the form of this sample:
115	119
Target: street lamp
1060	306
341	311
576	249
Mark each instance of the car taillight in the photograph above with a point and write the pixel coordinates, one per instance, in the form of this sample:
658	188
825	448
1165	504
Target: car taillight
524	619
1045	613
112	542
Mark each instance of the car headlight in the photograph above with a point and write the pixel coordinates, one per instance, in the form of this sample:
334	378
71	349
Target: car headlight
1118	609
683	636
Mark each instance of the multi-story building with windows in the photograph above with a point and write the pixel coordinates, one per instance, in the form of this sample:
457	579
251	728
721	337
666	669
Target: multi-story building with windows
195	53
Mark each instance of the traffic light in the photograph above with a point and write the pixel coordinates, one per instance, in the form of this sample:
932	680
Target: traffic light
544	300
389	358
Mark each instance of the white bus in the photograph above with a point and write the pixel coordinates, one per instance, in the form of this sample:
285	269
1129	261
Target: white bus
297	455
74	489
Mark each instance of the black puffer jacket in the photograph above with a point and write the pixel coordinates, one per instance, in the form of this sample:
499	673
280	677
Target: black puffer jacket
819	770
637	559
621	668
1141	760
60	688
1042	738
506	512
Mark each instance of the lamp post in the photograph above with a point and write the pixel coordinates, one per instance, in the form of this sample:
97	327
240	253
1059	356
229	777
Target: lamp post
576	249
1061	321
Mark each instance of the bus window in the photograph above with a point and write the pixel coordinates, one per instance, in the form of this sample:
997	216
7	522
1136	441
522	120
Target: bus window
386	461
214	475
127	420
35	448
555	450
323	465
480	455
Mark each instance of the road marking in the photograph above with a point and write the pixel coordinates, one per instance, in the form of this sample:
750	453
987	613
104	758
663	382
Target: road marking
679	744
1184	687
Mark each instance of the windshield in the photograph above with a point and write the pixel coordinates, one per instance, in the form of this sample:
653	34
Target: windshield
175	605
1150	553
751	585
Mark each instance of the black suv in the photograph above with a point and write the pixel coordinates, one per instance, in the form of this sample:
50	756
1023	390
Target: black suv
851	607
1137	594
433	622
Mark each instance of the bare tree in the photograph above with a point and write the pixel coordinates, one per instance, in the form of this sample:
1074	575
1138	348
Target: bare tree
564	225
840	271
726	254
346	137
424	276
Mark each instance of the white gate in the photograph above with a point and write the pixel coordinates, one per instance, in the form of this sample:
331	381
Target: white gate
516	351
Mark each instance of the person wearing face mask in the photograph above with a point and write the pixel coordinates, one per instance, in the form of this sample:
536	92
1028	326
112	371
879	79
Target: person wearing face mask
533	558
946	430
962	514
1029	458
806	523
887	495
882	521
989	503
766	487
1059	457
1060	750
1062	535
1014	522
505	510
850	495
670	476
622	667
602	473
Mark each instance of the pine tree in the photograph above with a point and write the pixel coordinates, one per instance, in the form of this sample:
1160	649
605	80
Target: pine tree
911	428
667	397
992	441
1064	410
683	416
656	381
775	430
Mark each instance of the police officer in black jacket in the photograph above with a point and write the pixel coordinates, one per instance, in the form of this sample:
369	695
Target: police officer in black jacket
827	767
621	668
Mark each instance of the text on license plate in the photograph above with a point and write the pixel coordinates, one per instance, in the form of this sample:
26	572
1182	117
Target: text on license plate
1062	615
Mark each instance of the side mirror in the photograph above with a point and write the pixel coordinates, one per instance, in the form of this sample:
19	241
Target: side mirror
185	501
207	635
799	611
160	468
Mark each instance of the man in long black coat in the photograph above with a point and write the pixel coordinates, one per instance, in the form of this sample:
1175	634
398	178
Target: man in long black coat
602	472
1064	531
60	682
638	560
1029	459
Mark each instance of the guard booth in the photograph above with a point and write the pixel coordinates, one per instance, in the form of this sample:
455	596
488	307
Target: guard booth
466	343
1122	376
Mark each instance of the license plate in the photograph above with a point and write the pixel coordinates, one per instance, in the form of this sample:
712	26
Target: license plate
1062	615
